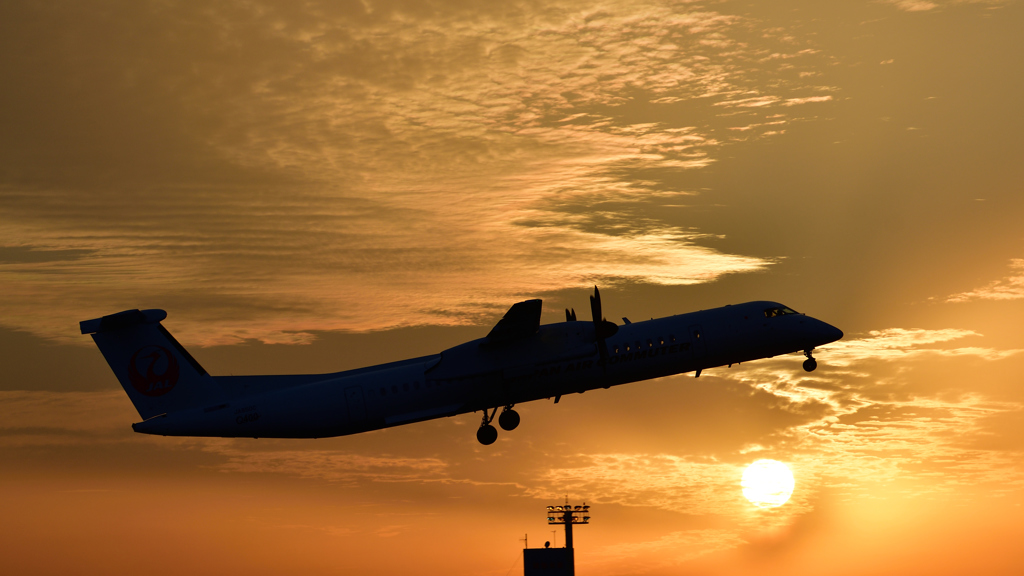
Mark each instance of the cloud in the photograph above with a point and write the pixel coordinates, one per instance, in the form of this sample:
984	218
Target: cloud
1009	288
926	5
899	343
887	420
667	551
264	171
35	418
661	480
914	5
805	100
329	465
26	254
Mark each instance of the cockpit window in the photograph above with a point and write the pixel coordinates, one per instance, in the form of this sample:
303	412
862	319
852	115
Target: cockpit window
779	311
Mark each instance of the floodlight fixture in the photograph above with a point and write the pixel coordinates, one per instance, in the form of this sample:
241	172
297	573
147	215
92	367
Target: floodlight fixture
567	516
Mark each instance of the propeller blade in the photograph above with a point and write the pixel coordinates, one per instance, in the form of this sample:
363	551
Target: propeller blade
570	316
602	327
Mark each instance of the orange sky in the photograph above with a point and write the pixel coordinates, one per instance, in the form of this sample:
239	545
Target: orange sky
315	187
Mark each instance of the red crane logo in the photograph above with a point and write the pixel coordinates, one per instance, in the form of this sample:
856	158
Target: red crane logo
153	370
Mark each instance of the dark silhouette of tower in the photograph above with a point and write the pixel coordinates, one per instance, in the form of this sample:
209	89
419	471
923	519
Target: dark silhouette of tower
557	561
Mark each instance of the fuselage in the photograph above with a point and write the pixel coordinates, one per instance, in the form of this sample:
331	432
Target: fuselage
559	359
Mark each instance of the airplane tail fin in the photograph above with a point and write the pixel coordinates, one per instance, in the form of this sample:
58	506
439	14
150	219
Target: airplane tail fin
158	374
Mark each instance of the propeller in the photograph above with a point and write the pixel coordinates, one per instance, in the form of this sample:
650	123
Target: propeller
602	327
570	316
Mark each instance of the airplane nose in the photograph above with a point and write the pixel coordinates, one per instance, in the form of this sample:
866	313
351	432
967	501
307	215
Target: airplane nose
830	332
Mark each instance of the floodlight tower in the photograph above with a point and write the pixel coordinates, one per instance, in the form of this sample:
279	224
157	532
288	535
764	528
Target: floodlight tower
567	516
557	561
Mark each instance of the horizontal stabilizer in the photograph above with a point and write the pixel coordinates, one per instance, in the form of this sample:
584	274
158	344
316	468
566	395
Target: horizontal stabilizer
521	321
125	319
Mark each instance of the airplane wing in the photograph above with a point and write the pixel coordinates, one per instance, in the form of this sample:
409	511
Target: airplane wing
521	321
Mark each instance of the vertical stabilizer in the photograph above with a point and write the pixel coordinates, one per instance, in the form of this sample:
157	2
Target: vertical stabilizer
158	374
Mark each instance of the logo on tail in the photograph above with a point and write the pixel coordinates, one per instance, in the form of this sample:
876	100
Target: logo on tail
153	370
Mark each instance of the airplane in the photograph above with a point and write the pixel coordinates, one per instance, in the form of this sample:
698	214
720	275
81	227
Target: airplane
518	361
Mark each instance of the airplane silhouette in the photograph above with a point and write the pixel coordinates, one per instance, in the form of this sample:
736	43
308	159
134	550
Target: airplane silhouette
518	361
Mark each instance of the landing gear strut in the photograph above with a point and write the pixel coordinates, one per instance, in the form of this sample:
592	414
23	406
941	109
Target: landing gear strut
810	364
508	420
487	434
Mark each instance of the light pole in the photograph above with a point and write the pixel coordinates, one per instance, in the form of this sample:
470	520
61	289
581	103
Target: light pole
557	561
567	516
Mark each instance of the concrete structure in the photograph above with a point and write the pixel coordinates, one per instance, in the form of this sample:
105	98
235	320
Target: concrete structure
548	562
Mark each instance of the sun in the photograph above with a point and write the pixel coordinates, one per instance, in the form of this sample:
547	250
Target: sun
767	483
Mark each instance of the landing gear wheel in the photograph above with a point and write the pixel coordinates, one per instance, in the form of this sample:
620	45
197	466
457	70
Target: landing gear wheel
487	434
810	364
508	420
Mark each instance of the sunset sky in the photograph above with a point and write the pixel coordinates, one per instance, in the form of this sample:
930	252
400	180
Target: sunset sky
317	186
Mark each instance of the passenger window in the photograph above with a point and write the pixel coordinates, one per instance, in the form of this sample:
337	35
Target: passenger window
405	386
671	338
416	385
627	347
661	341
650	344
394	389
383	391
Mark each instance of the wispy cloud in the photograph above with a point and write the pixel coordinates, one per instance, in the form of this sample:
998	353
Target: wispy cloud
1009	288
36	418
329	465
899	343
665	552
926	5
660	480
914	5
806	100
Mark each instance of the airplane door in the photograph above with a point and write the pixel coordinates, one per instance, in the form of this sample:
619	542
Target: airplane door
698	341
356	406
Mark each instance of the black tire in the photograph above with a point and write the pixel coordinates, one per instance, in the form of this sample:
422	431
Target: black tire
810	364
486	435
508	420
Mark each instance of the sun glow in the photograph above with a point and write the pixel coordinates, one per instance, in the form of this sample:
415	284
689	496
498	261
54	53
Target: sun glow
767	483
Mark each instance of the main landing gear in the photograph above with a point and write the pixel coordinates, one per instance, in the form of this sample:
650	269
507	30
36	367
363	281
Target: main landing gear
508	420
810	364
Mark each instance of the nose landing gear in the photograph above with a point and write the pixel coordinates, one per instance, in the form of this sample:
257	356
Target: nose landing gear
810	364
508	420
